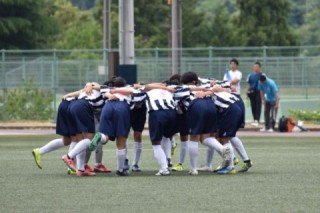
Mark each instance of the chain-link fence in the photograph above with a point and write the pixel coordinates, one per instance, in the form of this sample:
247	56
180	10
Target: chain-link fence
296	70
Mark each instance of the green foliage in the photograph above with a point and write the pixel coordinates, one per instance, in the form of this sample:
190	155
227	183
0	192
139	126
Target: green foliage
26	24
265	23
305	115
29	103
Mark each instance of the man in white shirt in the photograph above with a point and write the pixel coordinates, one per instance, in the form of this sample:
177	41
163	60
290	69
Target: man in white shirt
234	75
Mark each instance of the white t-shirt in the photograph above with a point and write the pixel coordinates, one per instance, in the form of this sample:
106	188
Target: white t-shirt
232	75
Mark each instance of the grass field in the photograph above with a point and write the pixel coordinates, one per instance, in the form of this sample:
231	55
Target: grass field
285	178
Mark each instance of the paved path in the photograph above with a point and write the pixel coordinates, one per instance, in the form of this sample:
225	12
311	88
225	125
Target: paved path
249	133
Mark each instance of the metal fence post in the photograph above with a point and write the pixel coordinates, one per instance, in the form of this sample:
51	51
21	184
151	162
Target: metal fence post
210	72
264	54
54	81
4	86
157	62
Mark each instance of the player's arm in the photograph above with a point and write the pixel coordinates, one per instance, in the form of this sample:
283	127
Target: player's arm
277	100
71	95
157	86
91	86
122	90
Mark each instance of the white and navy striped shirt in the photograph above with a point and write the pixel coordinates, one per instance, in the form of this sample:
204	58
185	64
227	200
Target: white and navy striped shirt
138	98
224	99
95	99
159	99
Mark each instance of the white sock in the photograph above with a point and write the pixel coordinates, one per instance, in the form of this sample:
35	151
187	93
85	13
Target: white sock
51	146
173	142
213	144
99	154
238	145
160	156
137	149
183	151
72	145
80	160
121	156
81	146
103	138
231	153
193	147
209	157
166	146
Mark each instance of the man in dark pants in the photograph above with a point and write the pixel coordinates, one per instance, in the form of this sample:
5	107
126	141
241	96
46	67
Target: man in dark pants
253	92
270	100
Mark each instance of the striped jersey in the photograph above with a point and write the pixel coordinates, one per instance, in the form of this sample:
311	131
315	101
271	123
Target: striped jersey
224	99
95	99
138	98
159	99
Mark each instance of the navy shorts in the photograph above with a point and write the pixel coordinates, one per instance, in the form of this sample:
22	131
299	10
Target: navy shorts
242	107
138	117
181	124
162	124
115	119
82	116
229	121
202	117
63	119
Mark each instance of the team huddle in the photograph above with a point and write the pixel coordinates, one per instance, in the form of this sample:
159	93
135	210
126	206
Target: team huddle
199	110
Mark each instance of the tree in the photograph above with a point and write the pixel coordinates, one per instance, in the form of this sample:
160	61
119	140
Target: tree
309	32
26	24
80	29
264	23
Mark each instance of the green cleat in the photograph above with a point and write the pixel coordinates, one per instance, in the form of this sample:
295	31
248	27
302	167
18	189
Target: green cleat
94	142
37	157
70	172
178	167
246	166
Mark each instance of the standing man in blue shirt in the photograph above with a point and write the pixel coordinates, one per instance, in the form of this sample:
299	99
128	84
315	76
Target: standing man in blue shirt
253	93
270	100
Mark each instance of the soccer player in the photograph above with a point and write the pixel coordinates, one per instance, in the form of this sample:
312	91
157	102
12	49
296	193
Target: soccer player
63	128
201	119
82	117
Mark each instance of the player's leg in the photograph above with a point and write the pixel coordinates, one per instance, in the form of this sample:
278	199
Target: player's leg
137	150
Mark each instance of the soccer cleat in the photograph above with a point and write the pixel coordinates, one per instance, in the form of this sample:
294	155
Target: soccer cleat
193	172
101	168
163	172
69	162
169	163
94	142
205	168
123	173
135	168
263	130
220	167
85	173
227	170
173	149
245	166
235	161
37	157
70	172
126	165
270	130
88	168
178	167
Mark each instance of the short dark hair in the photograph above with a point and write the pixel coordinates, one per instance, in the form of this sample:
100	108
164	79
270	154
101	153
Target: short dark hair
234	61
175	79
258	63
119	82
189	77
263	77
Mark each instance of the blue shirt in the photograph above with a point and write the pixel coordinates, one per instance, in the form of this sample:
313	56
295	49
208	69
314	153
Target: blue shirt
270	89
253	80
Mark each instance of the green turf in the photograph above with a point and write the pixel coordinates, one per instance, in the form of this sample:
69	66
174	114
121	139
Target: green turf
285	178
